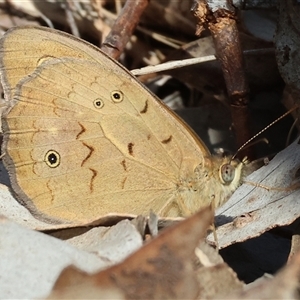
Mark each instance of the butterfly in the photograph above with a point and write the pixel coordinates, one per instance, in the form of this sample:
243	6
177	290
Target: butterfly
84	138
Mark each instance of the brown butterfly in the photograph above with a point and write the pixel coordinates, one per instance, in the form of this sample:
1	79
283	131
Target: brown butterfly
83	138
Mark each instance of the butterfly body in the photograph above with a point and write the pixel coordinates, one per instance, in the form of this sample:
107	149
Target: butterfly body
83	138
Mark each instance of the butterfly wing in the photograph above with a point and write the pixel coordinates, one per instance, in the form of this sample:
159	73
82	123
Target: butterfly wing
23	49
84	138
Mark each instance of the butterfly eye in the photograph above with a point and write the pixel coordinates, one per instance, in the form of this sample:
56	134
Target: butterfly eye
98	103
227	173
52	159
117	96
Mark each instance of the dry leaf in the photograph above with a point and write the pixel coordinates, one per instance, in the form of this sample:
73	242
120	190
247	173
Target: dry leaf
31	261
288	42
215	278
252	210
285	285
112	244
163	268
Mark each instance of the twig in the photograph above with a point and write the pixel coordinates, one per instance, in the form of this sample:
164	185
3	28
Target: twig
124	27
223	28
172	65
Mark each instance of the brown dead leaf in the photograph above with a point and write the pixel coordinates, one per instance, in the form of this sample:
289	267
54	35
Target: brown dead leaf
215	278
163	268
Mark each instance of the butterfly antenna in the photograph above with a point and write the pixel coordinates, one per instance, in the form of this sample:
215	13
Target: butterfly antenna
263	130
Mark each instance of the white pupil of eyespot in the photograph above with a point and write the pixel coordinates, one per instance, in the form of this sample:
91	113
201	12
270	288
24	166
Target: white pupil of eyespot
52	159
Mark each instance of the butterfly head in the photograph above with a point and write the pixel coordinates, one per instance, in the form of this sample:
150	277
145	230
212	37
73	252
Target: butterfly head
226	175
